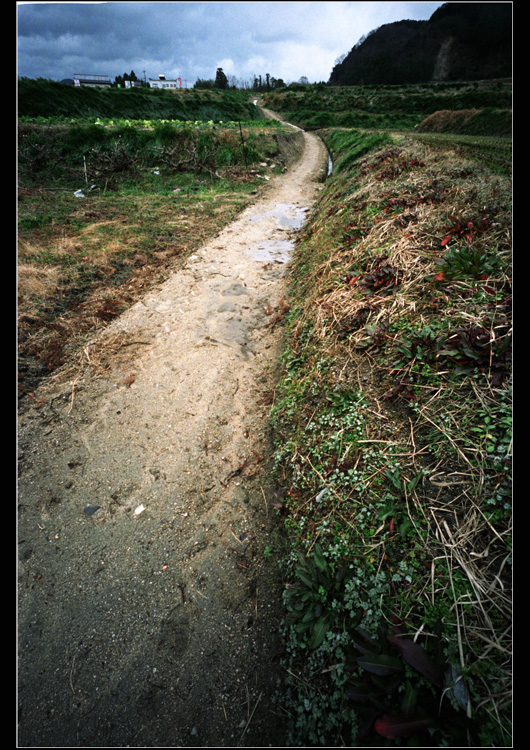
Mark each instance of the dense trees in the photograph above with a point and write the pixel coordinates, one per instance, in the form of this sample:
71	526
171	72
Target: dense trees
120	80
256	83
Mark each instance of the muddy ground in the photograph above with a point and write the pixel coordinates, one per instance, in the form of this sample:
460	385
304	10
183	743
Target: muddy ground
149	591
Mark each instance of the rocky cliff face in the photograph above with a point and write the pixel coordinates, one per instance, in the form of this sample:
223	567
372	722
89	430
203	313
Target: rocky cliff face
461	41
443	61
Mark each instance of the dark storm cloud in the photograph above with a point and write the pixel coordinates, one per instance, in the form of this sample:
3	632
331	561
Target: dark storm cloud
191	39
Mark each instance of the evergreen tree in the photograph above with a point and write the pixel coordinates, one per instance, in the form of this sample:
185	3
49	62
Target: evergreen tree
221	81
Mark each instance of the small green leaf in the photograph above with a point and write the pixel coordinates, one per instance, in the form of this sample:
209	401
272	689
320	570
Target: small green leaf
320	560
319	631
304	578
302	627
414	481
409	698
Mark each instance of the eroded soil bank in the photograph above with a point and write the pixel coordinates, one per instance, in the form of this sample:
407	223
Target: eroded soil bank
149	602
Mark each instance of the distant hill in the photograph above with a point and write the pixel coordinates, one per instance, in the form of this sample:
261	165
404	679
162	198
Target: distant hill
460	42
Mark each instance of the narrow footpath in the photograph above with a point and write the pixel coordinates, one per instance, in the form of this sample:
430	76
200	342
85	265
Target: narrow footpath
149	597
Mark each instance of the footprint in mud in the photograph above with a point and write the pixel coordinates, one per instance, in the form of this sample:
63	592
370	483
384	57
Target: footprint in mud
174	633
232	323
235	290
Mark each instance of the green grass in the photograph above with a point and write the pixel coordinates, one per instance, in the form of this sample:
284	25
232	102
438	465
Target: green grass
397	108
37	98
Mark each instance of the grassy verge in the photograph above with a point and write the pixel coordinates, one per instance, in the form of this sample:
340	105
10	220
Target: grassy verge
393	451
106	211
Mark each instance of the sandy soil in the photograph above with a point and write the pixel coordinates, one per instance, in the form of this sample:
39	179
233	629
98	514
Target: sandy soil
149	595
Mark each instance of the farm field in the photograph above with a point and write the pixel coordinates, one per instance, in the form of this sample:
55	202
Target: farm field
477	108
110	207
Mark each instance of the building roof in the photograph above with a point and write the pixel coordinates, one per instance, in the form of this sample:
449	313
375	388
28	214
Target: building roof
91	78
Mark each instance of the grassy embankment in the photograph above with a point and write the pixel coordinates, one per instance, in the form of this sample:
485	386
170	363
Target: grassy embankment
478	108
393	447
50	99
158	174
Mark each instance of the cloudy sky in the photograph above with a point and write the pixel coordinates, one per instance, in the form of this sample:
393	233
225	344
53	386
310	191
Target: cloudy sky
191	40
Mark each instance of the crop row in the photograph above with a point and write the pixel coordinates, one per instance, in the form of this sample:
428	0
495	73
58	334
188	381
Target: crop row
151	124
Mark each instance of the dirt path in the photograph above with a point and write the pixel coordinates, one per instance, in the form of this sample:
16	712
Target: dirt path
148	604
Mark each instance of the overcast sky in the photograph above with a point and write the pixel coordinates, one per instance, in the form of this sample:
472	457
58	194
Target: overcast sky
191	40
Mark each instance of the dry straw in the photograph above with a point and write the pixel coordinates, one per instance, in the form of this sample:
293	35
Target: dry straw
344	320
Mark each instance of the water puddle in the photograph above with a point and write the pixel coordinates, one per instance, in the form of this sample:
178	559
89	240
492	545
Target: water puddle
278	250
273	251
285	214
330	165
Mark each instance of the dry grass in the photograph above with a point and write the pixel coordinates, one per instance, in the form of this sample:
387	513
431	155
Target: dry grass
35	283
404	219
446	119
90	260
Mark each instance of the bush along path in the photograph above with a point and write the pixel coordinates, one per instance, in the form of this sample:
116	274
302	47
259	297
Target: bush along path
393	445
150	598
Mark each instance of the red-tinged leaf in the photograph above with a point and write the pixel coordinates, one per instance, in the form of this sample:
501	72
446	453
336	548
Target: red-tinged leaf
417	657
391	526
439	276
392	726
445	240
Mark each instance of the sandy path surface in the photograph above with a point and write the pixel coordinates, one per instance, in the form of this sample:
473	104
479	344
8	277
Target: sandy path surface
148	602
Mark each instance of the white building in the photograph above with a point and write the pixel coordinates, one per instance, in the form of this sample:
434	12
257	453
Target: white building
162	83
88	79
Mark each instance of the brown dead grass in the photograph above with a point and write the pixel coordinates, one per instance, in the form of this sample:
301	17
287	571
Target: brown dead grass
80	271
445	120
405	219
34	284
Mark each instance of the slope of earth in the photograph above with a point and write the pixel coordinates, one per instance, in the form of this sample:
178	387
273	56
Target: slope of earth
149	604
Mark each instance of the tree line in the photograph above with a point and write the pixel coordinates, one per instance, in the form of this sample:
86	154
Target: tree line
256	83
221	81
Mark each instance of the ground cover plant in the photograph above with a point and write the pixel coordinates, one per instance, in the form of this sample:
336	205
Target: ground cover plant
107	208
393	450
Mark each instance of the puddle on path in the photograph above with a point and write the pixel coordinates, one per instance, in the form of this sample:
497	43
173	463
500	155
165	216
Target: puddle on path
286	215
273	251
278	250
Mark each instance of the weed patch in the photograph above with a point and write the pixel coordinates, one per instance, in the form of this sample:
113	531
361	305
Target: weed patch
107	211
393	451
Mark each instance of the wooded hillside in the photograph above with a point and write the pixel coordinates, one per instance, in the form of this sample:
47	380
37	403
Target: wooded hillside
461	41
